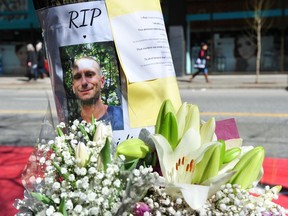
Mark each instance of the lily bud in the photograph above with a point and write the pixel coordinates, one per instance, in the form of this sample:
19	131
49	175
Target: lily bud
181	119
193	118
81	154
169	129
209	165
166	107
248	167
207	131
132	148
103	131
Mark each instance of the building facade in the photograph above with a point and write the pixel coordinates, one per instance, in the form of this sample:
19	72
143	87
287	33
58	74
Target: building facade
227	26
18	27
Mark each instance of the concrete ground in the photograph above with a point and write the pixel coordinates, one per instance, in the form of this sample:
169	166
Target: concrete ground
216	81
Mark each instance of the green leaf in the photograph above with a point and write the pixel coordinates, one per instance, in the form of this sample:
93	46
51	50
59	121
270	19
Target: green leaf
42	198
131	165
94	125
83	131
62	207
65	176
105	154
60	132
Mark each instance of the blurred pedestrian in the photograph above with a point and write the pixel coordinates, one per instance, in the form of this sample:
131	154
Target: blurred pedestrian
201	62
21	53
40	59
31	62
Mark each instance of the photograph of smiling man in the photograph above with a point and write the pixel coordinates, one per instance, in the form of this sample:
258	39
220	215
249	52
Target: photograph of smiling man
91	80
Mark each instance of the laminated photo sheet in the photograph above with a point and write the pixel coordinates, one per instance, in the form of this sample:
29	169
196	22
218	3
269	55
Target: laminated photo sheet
70	32
146	70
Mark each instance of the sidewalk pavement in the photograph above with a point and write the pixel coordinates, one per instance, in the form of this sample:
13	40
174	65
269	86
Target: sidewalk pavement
267	81
271	81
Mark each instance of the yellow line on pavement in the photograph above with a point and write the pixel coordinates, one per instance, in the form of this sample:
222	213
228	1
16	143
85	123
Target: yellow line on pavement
244	114
235	114
21	112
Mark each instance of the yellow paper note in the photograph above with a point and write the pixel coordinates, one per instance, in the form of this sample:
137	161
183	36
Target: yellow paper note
142	46
145	99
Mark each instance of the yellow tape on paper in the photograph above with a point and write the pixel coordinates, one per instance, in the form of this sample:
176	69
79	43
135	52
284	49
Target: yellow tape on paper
117	8
145	99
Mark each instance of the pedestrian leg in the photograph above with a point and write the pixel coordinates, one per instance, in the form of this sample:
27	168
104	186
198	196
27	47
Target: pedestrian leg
205	72
194	75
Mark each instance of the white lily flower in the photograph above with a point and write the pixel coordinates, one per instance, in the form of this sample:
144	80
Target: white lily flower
174	163
177	162
177	166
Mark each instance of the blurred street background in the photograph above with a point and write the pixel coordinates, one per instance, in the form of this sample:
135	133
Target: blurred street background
260	111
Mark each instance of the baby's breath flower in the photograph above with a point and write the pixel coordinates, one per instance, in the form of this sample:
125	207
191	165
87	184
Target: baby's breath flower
105	191
50	211
106	182
63	170
56	186
38	180
69	204
78	209
42	160
62	125
117	183
94	211
92	170
83	171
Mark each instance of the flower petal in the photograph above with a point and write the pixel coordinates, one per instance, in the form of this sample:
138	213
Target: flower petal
217	181
190	141
231	143
165	154
194	195
181	119
193	118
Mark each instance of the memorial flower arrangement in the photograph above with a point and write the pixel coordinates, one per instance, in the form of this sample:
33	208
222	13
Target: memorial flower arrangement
181	169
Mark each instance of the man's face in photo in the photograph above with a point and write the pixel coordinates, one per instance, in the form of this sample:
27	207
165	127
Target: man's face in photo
87	80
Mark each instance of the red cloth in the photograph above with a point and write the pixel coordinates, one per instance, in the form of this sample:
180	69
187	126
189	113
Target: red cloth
12	162
275	173
14	159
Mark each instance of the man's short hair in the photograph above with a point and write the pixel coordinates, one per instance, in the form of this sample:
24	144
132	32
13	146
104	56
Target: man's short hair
87	57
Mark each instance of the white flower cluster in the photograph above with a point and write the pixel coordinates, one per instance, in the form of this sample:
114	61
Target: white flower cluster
162	204
232	200
80	177
75	180
85	190
138	183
